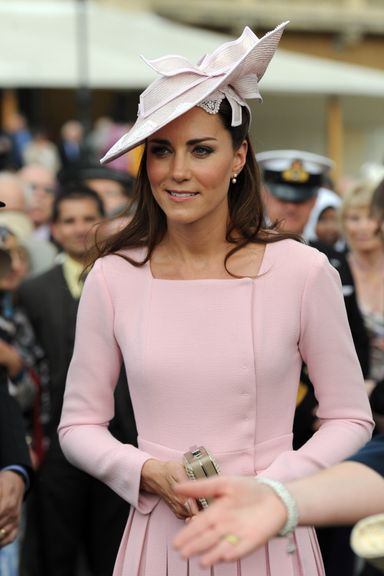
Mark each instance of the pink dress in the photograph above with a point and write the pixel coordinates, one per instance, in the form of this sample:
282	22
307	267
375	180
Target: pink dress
214	363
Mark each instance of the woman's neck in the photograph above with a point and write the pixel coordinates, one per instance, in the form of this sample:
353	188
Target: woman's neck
190	257
368	262
368	273
196	241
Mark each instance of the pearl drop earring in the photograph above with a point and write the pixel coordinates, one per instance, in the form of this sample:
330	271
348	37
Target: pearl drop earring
234	178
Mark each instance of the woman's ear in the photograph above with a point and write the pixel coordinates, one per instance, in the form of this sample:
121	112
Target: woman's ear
240	157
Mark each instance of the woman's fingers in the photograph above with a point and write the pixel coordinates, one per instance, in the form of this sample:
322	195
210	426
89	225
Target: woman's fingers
208	524
202	488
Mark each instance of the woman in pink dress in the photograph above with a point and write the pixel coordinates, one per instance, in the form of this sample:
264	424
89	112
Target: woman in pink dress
212	314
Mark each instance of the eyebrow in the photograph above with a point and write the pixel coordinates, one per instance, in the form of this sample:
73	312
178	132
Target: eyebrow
190	142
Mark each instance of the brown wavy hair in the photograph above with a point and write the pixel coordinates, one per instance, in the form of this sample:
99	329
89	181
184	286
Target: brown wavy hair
246	224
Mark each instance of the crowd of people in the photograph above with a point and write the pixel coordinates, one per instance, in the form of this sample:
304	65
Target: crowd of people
48	223
185	292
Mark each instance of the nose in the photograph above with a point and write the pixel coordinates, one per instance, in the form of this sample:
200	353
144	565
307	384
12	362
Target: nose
82	228
180	167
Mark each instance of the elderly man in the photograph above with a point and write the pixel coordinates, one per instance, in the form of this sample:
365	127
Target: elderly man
39	185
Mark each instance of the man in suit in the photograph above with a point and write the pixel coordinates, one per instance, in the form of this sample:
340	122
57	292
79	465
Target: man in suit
79	515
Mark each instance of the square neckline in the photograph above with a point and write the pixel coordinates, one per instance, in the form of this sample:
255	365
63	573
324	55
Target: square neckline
264	265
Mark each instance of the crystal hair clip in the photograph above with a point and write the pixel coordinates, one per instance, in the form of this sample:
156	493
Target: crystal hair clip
212	104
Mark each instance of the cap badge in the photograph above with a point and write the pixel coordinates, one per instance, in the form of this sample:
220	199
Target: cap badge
295	173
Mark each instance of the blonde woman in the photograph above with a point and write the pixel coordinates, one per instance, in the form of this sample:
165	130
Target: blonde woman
366	258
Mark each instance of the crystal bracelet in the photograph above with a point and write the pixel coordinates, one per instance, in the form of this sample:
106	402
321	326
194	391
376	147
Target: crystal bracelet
289	502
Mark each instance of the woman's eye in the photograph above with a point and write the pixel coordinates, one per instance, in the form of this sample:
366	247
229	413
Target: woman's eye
159	151
353	218
202	150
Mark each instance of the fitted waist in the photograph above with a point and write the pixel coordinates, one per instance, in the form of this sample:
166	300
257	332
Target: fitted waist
245	462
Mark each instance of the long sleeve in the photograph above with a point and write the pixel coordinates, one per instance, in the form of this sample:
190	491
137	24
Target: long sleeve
327	349
89	397
13	446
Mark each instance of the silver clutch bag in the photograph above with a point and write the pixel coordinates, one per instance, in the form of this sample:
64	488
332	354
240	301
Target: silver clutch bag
198	464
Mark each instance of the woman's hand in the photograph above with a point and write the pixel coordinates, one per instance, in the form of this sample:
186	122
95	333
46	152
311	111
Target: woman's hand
244	516
11	498
158	477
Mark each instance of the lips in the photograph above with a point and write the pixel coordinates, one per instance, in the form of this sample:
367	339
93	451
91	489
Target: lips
176	194
181	195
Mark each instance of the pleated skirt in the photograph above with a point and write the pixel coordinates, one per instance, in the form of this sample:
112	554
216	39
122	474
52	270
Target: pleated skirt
147	550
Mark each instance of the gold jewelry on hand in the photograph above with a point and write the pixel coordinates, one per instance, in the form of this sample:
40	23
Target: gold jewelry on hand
232	539
3	533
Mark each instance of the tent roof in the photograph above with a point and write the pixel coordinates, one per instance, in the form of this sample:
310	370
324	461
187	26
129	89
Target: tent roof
39	44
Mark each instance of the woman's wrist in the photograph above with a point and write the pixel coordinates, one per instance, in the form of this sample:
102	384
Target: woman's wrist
287	499
151	473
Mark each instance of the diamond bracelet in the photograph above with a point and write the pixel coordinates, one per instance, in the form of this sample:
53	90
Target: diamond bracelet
289	502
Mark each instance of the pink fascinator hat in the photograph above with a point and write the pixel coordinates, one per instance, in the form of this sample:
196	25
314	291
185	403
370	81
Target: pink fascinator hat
232	71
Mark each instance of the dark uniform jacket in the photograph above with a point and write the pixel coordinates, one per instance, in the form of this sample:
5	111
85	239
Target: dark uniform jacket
13	446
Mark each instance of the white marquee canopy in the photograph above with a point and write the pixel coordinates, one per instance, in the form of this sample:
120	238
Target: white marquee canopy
39	47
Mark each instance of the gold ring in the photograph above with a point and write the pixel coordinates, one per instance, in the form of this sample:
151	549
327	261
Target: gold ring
3	532
232	539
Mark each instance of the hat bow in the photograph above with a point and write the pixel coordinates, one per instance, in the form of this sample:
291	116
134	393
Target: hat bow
234	69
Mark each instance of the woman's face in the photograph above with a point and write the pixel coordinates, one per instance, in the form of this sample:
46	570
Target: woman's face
327	227
361	230
190	163
19	262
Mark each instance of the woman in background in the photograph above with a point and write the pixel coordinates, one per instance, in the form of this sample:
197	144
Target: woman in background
365	241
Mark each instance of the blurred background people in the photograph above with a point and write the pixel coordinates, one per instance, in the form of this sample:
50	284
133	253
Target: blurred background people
104	133
115	187
70	142
324	223
12	192
42	151
40	186
22	368
21	355
15	217
20	134
15	477
366	260
74	515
